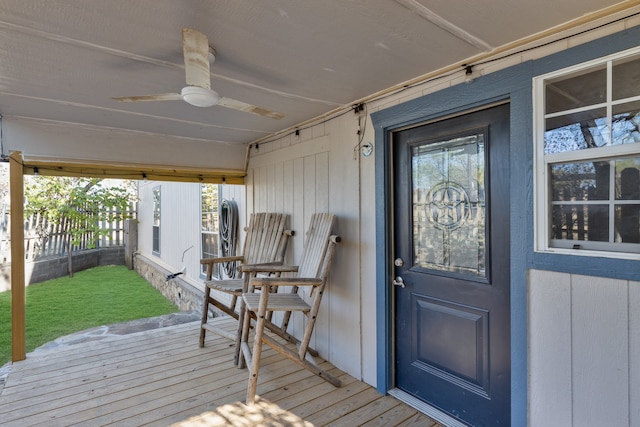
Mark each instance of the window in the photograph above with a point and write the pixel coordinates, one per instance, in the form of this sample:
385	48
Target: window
587	158
156	220
209	224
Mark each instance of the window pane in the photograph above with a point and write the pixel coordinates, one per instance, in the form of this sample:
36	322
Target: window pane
580	222
628	223
210	250
576	90
626	78
209	207
156	206
628	179
580	181
209	245
448	206
156	239
626	123
578	131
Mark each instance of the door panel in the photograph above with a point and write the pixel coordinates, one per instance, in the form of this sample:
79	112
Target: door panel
451	236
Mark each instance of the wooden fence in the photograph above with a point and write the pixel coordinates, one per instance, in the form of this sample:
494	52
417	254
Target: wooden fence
52	240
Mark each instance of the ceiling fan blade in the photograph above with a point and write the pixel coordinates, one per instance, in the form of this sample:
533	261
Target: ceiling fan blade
156	97
195	48
243	106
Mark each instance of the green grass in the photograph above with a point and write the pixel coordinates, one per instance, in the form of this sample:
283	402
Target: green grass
94	297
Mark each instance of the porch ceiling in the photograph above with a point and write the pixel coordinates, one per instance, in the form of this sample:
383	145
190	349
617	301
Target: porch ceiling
62	61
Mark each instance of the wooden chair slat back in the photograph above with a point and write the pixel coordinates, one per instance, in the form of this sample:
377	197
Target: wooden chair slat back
315	246
266	240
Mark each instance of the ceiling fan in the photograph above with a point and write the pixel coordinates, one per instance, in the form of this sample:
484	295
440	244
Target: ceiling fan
198	92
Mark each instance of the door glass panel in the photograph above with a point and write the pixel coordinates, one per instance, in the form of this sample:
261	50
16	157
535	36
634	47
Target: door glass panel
448	179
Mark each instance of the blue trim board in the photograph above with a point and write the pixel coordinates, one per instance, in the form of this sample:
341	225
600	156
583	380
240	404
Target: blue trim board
513	84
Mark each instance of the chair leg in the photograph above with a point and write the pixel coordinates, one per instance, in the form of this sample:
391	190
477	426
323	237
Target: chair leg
257	347
244	340
237	359
205	315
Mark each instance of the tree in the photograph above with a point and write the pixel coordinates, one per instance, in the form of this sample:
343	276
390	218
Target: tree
80	204
4	181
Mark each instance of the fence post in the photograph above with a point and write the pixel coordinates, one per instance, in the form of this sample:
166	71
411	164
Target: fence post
130	241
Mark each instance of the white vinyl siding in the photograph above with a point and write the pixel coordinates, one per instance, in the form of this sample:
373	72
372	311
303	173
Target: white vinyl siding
584	339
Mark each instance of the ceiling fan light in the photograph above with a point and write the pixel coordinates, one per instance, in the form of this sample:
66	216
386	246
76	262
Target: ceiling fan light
199	96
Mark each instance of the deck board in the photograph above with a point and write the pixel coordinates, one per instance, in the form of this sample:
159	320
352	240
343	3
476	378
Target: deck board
161	377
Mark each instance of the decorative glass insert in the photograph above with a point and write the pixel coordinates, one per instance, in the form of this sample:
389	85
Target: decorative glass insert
449	229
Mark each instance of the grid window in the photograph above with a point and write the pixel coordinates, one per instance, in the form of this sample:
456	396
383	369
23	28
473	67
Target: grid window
587	163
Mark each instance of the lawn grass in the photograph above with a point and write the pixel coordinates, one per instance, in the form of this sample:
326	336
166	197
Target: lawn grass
94	297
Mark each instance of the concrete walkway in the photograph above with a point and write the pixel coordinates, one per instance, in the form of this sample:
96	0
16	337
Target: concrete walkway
102	332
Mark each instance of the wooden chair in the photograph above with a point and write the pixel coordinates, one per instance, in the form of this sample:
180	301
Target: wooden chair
311	275
265	244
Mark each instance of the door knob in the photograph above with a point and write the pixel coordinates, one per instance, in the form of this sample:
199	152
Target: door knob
398	282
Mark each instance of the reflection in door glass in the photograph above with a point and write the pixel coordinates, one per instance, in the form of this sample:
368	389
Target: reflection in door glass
449	205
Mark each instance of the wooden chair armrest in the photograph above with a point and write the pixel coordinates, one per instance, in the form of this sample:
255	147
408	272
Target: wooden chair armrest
285	281
269	268
205	261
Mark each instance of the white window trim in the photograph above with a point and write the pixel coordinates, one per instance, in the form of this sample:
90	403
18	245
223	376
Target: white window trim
542	241
153	220
216	267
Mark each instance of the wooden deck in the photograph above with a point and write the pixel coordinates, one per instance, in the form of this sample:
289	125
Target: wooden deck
162	378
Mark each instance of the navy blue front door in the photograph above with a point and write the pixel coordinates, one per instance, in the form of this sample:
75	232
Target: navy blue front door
451	268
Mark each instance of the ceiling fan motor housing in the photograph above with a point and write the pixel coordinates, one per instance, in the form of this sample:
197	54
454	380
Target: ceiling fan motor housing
199	96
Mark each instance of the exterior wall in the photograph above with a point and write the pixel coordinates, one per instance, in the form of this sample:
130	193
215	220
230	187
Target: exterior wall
180	226
321	169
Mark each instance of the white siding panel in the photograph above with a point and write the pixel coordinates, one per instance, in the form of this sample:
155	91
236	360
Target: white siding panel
600	351
550	349
250	194
298	221
263	190
321	180
278	185
288	203
309	188
315	176
367	288
634	353
272	189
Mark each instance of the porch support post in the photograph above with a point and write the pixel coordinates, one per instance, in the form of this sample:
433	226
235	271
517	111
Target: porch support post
18	300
